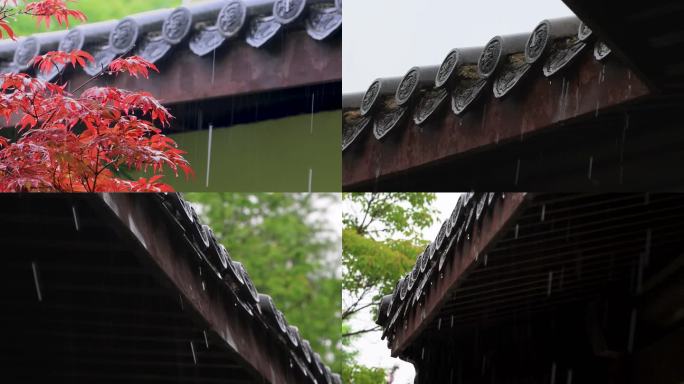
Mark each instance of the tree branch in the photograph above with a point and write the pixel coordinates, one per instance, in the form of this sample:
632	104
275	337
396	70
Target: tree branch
361	332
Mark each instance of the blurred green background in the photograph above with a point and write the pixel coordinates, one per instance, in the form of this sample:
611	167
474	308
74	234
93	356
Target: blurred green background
290	245
274	155
95	10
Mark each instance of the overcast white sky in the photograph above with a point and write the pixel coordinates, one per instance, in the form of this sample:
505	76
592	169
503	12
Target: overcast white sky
384	38
373	351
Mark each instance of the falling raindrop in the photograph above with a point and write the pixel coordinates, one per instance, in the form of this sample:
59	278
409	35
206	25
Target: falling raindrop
591	166
34	267
543	212
180	299
75	215
206	340
569	381
517	228
452	321
485	259
192	348
596	113
439	324
204	287
553	373
484	365
211	135
550	284
632	329
291	363
310	180
422	353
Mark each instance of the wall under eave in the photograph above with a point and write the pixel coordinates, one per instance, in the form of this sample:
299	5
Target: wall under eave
274	156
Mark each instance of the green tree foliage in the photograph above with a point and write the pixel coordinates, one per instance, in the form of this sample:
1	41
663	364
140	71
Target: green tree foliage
97	10
282	241
380	241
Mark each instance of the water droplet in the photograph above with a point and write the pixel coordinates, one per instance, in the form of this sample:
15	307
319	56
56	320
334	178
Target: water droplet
550	284
422	353
439	324
206	340
632	330
34	267
517	228
486	258
311	180
192	348
452	321
75	215
543	212
591	166
596	113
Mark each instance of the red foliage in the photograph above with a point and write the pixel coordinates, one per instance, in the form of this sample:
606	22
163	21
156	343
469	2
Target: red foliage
68	142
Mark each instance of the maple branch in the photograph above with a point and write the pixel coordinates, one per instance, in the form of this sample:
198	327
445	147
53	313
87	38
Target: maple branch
99	74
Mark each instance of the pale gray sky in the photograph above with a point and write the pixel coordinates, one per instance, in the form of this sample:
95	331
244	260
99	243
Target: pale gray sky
387	37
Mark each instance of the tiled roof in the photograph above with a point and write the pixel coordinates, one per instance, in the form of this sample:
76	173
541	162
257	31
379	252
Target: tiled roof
203	27
465	75
455	231
236	279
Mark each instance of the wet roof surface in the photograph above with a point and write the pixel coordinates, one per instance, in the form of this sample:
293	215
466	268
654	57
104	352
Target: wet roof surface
202	28
466	74
487	267
101	309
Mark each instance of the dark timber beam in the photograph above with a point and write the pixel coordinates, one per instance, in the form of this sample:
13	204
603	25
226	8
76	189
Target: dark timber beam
491	227
290	61
587	91
137	219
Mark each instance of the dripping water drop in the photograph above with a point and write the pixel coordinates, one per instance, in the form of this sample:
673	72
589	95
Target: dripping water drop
75	215
632	329
192	348
34	267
